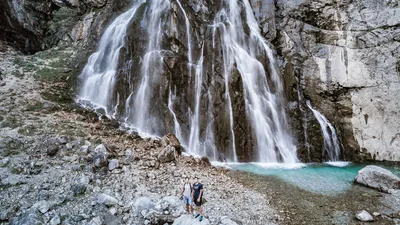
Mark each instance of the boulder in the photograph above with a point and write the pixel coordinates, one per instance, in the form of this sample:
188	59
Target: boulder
143	203
378	178
80	185
113	164
128	158
111	220
106	200
31	217
52	150
55	220
167	154
190	220
96	221
43	206
100	149
364	216
172	140
227	221
100	160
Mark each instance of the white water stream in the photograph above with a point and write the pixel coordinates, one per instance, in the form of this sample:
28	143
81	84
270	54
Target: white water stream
331	142
99	74
244	52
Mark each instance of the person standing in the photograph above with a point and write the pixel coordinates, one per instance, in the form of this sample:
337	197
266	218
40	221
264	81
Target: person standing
197	197
187	195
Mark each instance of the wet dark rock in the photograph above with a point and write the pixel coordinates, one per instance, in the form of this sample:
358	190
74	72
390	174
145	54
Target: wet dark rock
205	161
52	150
100	160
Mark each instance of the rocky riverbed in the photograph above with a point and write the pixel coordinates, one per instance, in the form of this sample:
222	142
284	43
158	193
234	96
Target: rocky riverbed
299	206
61	164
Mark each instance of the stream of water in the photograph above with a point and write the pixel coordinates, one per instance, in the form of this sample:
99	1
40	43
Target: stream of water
331	141
244	51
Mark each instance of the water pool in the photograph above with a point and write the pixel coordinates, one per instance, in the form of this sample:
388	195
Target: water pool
322	178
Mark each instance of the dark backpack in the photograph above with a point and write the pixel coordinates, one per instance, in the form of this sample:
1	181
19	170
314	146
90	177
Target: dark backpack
191	187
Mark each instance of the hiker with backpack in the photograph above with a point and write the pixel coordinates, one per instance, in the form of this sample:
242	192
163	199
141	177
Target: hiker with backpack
187	196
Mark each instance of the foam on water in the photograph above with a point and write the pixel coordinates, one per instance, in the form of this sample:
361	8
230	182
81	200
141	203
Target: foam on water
338	163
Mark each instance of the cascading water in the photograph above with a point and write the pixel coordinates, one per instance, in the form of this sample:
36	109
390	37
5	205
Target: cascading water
304	120
331	142
264	108
151	70
236	34
99	74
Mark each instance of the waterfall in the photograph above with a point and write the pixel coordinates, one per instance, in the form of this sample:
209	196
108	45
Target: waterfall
99	74
331	142
194	139
153	102
265	109
151	69
177	127
304	119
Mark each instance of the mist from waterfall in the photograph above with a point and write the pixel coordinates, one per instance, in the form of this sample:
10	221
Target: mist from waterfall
331	141
244	52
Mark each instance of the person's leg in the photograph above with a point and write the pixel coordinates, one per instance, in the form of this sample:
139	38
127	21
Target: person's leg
185	199
201	213
197	207
190	210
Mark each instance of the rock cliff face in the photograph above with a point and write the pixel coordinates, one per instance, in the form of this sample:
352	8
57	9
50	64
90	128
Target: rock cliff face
340	55
345	55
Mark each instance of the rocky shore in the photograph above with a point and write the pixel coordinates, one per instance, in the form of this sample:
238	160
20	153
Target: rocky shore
61	164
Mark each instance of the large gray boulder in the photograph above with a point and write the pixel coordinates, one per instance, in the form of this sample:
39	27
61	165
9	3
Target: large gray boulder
106	200
172	140
143	203
31	217
378	178
167	154
227	221
364	216
189	220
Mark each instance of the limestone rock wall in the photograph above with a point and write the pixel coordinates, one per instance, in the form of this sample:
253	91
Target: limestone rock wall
346	57
341	55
